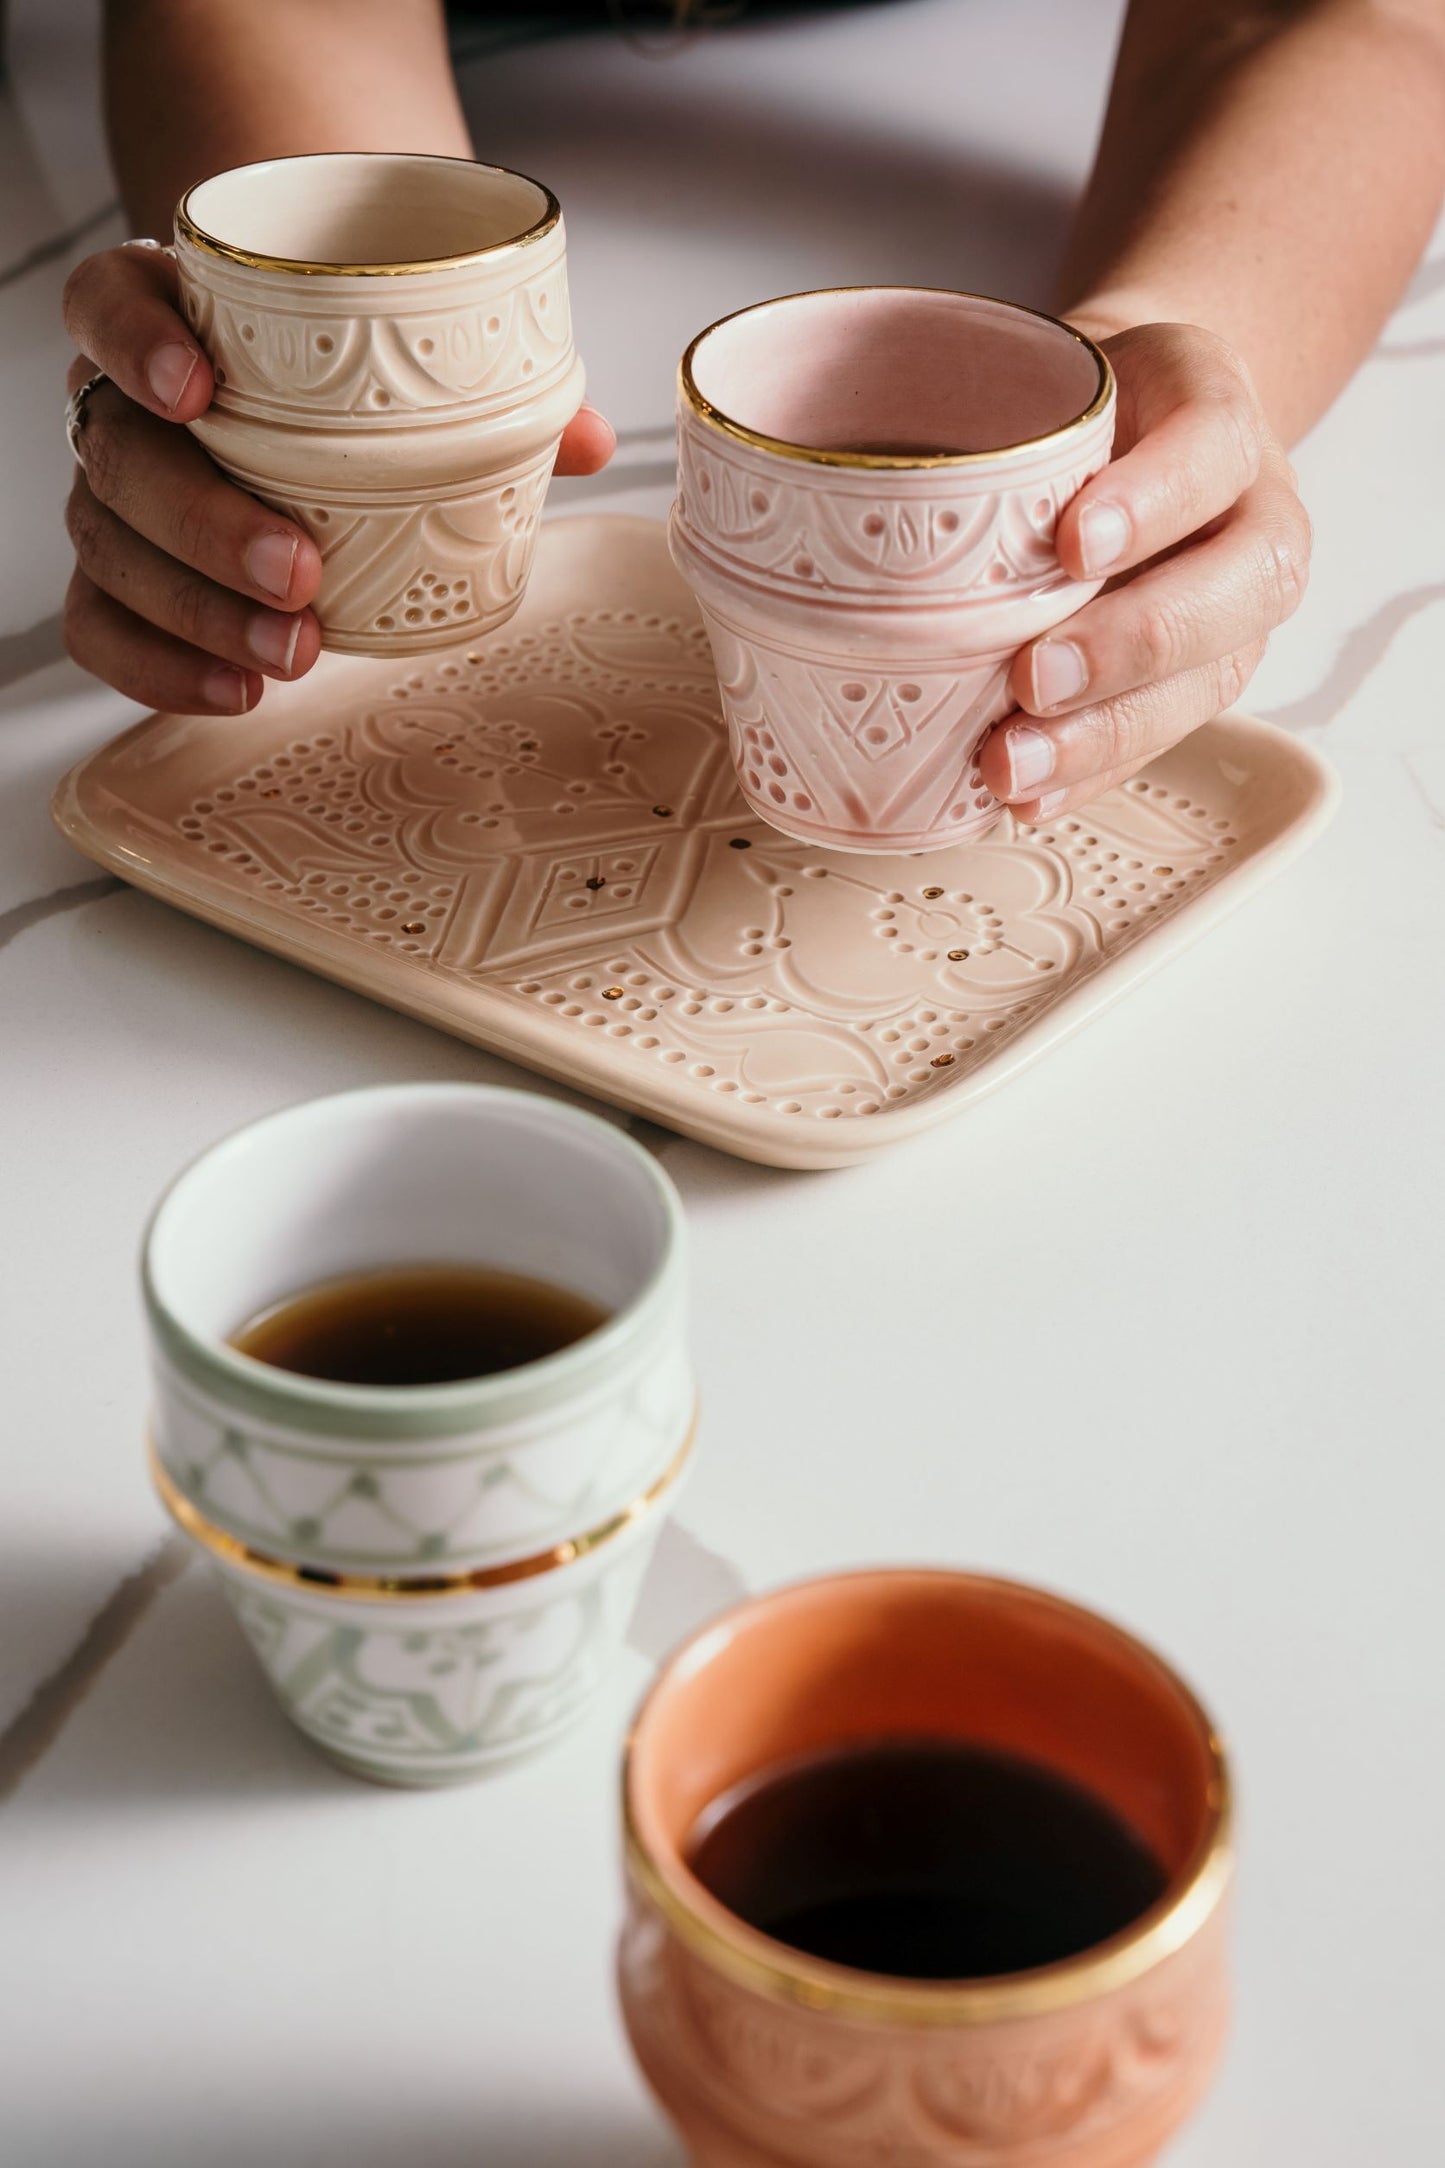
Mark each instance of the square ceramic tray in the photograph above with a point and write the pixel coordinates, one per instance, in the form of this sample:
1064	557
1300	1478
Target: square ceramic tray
536	844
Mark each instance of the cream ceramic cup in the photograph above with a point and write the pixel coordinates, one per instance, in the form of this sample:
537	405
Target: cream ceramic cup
394	369
869	480
434	1577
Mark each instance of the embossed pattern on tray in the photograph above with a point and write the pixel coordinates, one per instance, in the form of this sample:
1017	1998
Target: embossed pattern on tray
537	843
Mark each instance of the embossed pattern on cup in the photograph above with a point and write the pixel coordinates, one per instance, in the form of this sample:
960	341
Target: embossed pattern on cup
766	2058
864	605
460	1501
424	852
435	1578
420	1480
394	369
439	1689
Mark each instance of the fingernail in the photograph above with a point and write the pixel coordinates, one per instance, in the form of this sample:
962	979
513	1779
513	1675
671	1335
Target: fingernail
1103	537
226	690
1030	759
598	416
270	561
168	372
272	638
1048	805
1059	673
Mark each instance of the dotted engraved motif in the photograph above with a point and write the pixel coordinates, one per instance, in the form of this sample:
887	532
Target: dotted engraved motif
864	622
408	425
539	844
430	573
472	347
821	2093
551	825
805	740
848	536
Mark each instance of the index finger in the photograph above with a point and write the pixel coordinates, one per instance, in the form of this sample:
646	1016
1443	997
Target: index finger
120	309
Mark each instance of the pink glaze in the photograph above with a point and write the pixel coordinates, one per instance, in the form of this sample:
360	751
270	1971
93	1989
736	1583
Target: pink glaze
869	484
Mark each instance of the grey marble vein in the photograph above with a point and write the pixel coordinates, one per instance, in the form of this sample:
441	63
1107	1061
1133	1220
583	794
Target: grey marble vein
22	916
685	1586
58	244
1358	654
27	1739
23	653
1436	812
1429	279
1411	350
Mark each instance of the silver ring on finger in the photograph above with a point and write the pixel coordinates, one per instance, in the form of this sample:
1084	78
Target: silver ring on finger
145	240
75	412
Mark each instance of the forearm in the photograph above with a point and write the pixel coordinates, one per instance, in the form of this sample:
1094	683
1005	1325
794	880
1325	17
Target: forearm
194	86
1269	171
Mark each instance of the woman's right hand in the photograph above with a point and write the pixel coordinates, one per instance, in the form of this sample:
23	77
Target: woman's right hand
187	591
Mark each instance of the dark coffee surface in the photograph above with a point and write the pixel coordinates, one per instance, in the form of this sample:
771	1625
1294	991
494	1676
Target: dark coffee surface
926	1860
418	1325
889	448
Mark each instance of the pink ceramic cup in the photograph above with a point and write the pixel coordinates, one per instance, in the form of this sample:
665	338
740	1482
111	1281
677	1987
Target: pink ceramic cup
767	2058
869	482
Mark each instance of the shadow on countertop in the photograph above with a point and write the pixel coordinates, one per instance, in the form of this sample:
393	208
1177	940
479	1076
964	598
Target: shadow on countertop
471	2140
586	2146
656	153
457	2133
185	1717
188	1721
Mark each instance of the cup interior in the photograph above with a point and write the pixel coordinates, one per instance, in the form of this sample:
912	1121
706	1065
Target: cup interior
894	370
876	1656
424	1174
367	208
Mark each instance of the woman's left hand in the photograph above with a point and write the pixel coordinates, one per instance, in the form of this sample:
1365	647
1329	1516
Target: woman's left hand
1198	525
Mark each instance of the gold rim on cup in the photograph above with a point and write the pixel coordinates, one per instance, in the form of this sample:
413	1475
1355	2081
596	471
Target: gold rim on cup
773	1969
890	462
188	230
386	1587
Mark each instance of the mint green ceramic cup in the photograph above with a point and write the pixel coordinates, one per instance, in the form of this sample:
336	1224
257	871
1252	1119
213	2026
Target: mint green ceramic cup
434	1577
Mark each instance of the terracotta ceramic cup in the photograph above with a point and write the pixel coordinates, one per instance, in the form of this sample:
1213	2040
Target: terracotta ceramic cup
394	370
869	483
766	2058
434	1577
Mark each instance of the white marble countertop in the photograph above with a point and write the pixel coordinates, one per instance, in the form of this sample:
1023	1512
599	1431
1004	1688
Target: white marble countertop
1157	1324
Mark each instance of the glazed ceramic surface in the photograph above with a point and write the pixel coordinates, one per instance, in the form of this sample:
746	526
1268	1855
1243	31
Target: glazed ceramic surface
439	1689
539	846
766	2058
394	369
864	605
1141	1243
431	1480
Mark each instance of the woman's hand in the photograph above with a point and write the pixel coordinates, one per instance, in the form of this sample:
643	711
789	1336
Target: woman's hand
1198	525
187	591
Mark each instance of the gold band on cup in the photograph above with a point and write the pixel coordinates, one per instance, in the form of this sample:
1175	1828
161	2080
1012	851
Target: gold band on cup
894	462
188	230
873	1999
374	1588
756	1961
